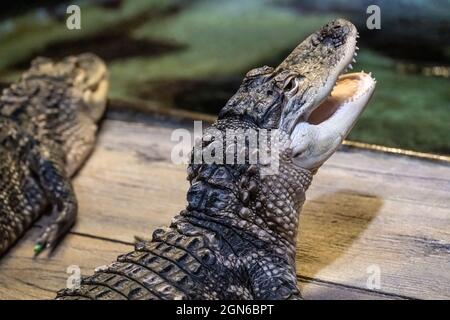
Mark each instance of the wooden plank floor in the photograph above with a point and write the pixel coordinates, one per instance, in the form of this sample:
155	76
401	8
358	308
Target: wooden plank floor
366	212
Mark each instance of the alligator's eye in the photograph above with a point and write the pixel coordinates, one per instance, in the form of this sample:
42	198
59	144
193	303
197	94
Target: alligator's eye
290	85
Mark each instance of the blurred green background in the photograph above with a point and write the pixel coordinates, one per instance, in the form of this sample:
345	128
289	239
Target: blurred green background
193	54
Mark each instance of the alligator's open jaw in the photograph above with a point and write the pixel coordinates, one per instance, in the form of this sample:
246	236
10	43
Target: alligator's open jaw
315	140
349	96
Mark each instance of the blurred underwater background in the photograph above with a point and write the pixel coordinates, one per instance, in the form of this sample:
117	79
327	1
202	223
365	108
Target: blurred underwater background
193	54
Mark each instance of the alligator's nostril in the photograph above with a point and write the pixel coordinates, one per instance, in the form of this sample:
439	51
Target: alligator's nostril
315	39
328	42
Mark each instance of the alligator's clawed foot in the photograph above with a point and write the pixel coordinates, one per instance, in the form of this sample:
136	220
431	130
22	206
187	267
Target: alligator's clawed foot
56	230
59	192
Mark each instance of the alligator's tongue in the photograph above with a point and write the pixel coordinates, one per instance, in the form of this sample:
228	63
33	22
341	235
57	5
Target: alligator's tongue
349	88
345	88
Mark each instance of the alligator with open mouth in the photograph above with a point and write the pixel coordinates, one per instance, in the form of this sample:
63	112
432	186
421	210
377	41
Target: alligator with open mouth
236	239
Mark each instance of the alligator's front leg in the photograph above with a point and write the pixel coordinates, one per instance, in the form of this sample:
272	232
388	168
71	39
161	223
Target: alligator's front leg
273	278
48	166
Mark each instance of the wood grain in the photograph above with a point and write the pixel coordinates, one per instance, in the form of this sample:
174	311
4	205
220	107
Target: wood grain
25	277
365	211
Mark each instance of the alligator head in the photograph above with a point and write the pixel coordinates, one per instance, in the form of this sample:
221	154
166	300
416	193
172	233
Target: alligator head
76	87
85	73
308	96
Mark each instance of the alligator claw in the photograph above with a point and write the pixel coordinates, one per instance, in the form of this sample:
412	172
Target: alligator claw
57	229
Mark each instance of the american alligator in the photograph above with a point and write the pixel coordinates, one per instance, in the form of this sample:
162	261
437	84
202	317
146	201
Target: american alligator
48	121
236	239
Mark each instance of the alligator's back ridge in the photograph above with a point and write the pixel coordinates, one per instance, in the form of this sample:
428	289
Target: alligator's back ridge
173	266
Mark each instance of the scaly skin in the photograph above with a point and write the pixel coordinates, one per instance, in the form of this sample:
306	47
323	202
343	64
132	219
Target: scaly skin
236	238
48	122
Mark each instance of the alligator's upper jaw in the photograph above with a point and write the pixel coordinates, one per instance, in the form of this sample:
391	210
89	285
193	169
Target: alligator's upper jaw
315	140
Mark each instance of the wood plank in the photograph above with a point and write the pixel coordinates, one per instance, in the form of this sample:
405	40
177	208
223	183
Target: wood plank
22	277
317	290
25	277
364	210
344	236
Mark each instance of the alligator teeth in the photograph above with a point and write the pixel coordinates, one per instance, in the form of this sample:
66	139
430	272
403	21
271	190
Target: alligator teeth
350	66
356	47
354	60
355	54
